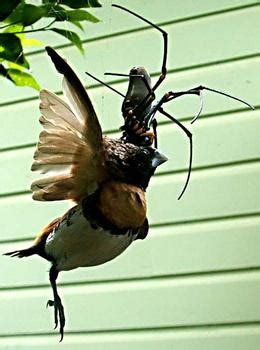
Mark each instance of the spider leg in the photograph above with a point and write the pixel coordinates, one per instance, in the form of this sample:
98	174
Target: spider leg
225	94
200	109
154	125
198	91
105	84
165	44
189	134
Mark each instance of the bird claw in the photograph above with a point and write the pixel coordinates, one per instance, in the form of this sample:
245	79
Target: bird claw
59	317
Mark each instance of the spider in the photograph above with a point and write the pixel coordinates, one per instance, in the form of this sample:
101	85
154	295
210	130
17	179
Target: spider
139	109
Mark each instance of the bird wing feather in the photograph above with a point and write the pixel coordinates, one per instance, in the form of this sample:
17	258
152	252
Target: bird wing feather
70	146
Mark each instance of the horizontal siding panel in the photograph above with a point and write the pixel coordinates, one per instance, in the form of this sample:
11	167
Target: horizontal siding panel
13	163
23	216
233	138
216	141
219	192
137	305
174	250
216	338
240	75
206	40
211	193
159	11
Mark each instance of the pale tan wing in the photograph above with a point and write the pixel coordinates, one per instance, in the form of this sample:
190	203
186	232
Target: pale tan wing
70	146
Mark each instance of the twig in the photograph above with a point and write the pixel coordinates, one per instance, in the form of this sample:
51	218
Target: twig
35	30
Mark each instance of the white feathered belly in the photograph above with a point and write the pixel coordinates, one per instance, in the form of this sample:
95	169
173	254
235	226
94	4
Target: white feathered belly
76	243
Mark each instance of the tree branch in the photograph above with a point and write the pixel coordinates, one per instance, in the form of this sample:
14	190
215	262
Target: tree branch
35	30
10	24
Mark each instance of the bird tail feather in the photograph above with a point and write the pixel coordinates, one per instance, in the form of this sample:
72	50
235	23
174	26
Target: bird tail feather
22	253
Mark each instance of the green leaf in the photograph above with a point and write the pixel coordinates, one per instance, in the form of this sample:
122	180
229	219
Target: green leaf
31	14
15	66
16	15
58	12
50	2
77	24
71	36
18	77
31	42
7	7
12	28
81	15
27	14
11	49
61	14
76	4
23	79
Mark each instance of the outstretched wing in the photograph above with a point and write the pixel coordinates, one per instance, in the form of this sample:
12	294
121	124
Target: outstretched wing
70	146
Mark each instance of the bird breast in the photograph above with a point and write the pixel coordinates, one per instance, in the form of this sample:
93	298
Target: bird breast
122	204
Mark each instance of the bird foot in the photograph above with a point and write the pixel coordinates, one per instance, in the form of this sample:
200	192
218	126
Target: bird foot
59	316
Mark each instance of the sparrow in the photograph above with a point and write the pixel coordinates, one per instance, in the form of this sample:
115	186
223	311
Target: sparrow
106	178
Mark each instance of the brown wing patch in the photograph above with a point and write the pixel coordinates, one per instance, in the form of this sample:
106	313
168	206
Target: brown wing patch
88	172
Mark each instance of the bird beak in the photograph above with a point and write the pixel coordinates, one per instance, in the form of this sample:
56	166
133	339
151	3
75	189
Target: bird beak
158	159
